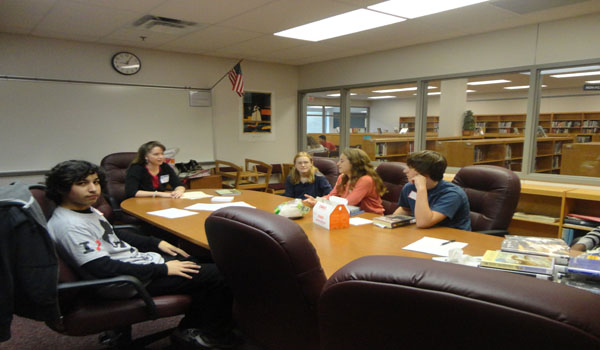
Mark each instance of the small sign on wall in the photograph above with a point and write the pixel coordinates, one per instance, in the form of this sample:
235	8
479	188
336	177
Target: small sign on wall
199	98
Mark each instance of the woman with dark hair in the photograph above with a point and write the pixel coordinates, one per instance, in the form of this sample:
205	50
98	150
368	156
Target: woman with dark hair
358	182
148	175
305	179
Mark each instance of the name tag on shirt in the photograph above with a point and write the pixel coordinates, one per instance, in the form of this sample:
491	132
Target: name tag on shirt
164	179
412	195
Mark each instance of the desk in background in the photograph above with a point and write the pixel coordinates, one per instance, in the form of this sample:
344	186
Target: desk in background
335	248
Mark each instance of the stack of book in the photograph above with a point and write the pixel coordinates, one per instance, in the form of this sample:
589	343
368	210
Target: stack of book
582	220
539	257
393	221
583	272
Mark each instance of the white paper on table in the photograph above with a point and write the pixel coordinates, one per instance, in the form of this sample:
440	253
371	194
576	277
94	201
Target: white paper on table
221	199
213	207
172	213
195	195
359	221
434	246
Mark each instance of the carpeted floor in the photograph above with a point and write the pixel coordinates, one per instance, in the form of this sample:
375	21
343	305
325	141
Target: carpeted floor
33	335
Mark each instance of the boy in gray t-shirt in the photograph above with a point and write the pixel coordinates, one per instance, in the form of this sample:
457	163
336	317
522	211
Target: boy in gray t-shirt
87	241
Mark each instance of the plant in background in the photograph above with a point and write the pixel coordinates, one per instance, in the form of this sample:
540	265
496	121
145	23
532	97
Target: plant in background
468	123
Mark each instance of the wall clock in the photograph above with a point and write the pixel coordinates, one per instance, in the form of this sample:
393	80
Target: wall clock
126	63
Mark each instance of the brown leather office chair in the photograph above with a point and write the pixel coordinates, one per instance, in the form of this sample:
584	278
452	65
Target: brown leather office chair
327	167
393	177
388	302
493	193
274	273
115	166
84	312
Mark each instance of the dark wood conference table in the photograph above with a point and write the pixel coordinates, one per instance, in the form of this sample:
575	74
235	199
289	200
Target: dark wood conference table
335	248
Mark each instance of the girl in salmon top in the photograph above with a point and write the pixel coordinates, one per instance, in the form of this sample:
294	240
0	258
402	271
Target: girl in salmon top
358	182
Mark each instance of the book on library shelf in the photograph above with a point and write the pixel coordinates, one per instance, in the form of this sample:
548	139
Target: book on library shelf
585	217
228	192
535	217
517	261
392	221
544	246
581	222
541	276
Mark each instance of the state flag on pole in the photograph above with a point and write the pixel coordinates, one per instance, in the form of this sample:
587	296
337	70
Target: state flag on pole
237	82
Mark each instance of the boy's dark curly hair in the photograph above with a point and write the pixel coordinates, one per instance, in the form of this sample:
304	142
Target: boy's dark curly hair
60	178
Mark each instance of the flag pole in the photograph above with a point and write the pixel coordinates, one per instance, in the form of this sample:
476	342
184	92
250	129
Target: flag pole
212	87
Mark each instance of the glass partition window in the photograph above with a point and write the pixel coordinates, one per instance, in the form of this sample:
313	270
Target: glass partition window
568	128
322	119
479	119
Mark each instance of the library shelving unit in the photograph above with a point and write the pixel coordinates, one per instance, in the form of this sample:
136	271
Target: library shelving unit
388	149
584	201
505	152
501	123
581	159
433	123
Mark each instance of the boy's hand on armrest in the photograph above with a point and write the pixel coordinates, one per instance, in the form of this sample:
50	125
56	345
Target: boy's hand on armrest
171	249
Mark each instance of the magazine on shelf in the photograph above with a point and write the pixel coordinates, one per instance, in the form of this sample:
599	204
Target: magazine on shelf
541	276
580	222
554	247
517	261
393	221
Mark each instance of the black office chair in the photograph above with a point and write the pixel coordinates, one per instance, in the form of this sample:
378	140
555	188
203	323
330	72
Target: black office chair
493	193
115	166
84	311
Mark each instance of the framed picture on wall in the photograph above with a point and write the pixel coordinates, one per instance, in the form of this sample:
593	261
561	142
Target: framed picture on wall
256	116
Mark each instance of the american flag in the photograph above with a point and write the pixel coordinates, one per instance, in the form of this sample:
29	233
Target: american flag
237	82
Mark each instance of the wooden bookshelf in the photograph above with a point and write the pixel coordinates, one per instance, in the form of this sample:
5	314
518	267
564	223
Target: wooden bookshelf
388	149
581	159
433	123
578	124
504	152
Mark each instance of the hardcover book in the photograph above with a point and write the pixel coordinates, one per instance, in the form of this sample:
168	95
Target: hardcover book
518	262
392	221
585	264
227	192
545	246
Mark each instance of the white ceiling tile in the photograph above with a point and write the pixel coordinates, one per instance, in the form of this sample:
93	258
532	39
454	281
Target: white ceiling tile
131	5
85	19
21	16
211	38
261	45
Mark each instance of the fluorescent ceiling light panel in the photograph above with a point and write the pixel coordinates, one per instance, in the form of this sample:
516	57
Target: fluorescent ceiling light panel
486	82
434	93
338	95
418	8
572	75
380	97
346	23
402	89
593	81
519	87
567	70
467	91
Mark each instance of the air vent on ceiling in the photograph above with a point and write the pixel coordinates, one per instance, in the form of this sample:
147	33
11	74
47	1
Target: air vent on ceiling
163	24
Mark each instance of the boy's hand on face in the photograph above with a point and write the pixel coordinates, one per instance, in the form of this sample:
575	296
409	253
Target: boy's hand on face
420	182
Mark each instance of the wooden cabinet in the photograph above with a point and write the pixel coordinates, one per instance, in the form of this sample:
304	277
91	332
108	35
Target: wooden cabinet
582	159
539	199
504	152
584	201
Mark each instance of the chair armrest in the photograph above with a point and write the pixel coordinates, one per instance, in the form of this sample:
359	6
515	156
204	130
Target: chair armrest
127	226
498	233
129	280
